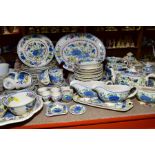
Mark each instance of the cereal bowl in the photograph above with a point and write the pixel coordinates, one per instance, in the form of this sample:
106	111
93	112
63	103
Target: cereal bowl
146	94
21	102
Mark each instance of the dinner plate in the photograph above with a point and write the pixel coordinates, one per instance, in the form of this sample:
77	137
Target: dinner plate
10	118
88	76
35	50
88	69
71	77
76	47
90	79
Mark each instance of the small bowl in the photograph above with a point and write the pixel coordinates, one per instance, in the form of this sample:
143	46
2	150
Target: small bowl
146	94
21	102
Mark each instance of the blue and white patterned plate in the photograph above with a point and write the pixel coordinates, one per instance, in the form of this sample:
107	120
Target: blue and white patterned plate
76	47
35	50
77	109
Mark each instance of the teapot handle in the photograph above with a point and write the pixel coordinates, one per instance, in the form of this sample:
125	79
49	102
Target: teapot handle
133	93
113	75
149	76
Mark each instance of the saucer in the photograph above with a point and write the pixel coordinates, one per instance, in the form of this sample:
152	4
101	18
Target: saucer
77	109
95	102
56	109
10	118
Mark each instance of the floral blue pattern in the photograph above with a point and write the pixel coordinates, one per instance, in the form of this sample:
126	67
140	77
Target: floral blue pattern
76	47
35	50
145	98
113	98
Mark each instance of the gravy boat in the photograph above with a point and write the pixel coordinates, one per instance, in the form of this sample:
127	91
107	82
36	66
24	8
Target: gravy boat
115	93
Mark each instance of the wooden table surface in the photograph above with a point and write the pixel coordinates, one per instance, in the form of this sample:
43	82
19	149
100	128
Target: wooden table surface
140	116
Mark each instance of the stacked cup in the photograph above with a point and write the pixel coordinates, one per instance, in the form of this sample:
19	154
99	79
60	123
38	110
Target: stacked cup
56	94
67	93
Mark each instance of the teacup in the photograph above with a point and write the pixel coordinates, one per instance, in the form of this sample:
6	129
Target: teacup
146	94
23	80
46	95
56	76
42	90
9	83
4	69
115	93
67	95
56	96
17	80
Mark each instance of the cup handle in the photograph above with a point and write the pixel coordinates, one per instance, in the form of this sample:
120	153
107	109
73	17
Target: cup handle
133	93
8	84
149	76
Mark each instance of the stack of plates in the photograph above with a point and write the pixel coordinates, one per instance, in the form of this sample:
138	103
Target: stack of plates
88	71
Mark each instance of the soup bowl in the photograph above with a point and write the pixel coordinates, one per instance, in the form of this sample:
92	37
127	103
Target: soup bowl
146	94
21	102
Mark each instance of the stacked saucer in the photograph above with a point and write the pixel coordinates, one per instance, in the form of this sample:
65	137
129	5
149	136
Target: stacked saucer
88	71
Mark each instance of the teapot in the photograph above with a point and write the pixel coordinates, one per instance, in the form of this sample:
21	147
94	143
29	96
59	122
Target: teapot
132	78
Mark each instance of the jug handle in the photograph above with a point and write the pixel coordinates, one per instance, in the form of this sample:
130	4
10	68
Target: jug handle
149	76
133	93
113	74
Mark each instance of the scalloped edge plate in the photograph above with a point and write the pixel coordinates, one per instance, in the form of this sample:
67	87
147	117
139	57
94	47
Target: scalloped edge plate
16	119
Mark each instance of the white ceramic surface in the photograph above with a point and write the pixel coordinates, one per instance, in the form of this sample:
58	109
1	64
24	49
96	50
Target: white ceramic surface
4	69
41	90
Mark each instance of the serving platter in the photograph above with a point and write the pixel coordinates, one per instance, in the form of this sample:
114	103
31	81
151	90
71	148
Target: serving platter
95	102
10	118
35	50
76	47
